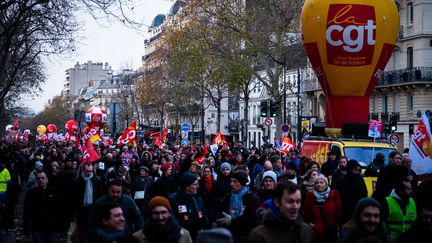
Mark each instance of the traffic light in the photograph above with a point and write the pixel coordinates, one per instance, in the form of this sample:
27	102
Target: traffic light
264	108
274	108
393	123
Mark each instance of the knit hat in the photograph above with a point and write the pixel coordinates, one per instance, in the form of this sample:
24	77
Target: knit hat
38	164
270	174
158	201
225	165
321	177
363	203
241	176
165	167
55	164
186	180
144	168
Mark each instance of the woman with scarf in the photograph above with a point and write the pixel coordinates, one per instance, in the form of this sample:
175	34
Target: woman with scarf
307	184
239	208
206	191
322	210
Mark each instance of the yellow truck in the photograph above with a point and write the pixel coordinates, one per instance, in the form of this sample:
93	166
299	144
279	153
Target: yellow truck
363	151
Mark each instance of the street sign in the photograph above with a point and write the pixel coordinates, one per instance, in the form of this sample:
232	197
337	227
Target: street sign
184	142
393	139
285	128
268	122
185	127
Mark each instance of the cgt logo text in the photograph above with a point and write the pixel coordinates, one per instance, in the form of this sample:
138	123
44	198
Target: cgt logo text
345	30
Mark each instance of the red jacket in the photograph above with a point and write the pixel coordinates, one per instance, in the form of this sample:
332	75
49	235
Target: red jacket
331	208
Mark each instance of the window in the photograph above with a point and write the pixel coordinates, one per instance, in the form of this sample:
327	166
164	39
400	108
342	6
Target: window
396	103
410	13
410	57
410	102
384	104
375	104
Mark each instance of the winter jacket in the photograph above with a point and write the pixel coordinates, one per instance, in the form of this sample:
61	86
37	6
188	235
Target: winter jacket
275	230
387	179
131	213
351	189
314	212
42	209
82	212
242	225
165	185
190	212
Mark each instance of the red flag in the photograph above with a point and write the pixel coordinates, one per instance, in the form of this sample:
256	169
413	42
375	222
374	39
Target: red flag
15	122
217	139
158	142
201	159
286	145
164	135
89	153
129	135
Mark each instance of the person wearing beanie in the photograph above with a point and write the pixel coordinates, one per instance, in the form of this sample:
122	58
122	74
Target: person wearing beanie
267	187
167	183
188	206
161	226
31	181
222	185
351	188
323	210
143	188
239	208
366	224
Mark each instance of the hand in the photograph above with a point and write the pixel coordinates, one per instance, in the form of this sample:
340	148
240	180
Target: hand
225	221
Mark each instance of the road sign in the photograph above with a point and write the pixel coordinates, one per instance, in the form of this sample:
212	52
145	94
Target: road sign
268	122
185	127
393	139
184	142
285	128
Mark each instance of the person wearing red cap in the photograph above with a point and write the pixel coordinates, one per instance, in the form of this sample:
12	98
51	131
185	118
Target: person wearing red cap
161	226
167	183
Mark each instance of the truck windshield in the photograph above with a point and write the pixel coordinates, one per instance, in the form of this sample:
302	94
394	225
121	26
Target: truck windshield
365	155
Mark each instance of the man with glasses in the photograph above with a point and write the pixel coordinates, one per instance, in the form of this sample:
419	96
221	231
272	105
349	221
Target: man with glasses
388	177
161	226
87	190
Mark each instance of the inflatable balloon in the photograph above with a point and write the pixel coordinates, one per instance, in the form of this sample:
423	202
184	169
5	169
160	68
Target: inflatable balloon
41	129
348	44
8	128
71	127
51	128
26	132
96	117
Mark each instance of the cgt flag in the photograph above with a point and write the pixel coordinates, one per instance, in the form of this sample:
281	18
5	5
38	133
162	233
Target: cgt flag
421	148
286	145
218	138
129	136
89	153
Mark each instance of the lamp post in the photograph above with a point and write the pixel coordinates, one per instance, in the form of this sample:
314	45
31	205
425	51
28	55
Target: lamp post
298	109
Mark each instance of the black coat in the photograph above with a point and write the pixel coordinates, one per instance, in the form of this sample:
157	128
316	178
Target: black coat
42	209
190	212
165	185
351	189
81	211
387	179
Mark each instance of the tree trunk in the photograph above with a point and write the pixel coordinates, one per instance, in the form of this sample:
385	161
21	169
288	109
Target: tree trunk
245	120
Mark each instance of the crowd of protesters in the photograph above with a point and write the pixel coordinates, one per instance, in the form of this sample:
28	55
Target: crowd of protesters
145	193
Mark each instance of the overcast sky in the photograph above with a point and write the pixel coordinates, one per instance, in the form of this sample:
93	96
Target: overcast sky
119	46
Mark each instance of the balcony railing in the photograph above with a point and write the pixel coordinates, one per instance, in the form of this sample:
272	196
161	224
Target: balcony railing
401	76
311	85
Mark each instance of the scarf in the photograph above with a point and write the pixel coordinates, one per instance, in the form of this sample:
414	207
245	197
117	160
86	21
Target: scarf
275	211
88	193
167	233
322	196
236	203
208	182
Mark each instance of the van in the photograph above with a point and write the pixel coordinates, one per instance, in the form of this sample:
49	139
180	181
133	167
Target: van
363	151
